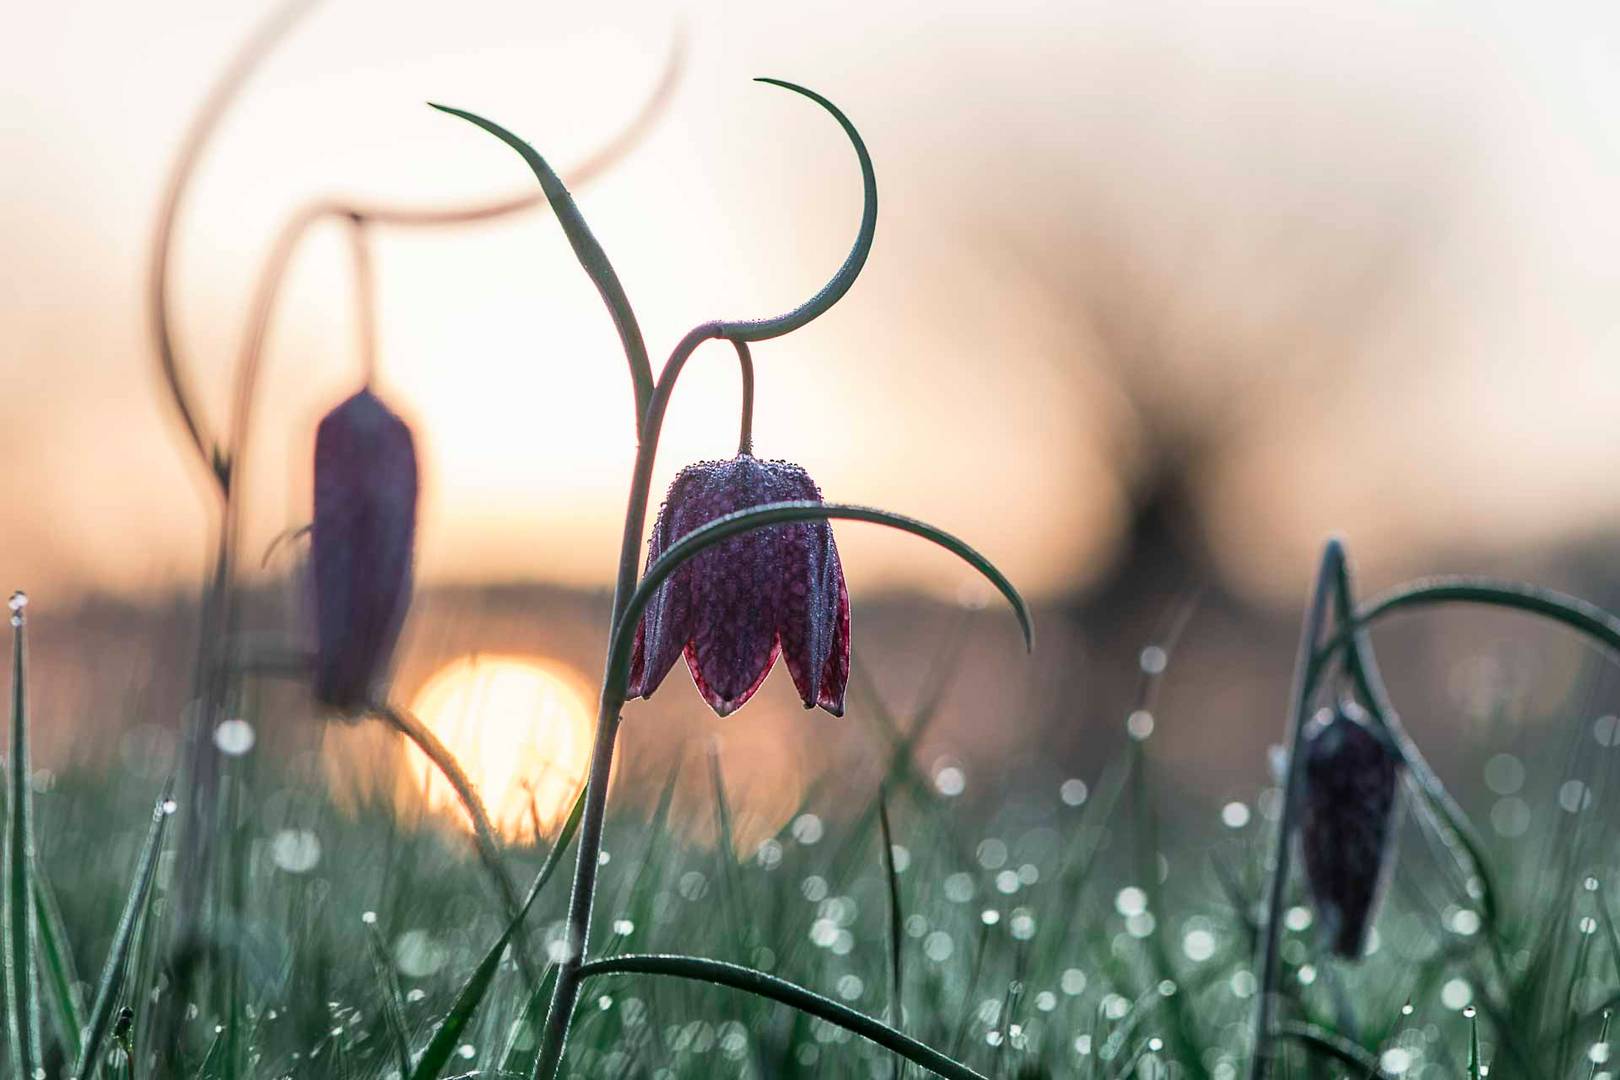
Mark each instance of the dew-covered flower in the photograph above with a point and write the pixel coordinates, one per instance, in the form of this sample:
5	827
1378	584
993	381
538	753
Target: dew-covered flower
1347	834
362	544
734	606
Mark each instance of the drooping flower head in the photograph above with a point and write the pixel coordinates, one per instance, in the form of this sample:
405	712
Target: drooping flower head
1347	834
362	544
734	606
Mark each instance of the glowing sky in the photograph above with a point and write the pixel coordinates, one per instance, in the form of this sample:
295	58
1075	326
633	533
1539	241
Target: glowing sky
1466	397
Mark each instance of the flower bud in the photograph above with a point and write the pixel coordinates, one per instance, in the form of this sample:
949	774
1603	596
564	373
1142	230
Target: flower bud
1347	830
362	545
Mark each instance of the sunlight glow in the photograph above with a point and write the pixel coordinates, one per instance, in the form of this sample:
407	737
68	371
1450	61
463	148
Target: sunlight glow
521	729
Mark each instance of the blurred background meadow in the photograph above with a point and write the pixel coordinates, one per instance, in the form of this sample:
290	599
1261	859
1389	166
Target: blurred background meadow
1163	294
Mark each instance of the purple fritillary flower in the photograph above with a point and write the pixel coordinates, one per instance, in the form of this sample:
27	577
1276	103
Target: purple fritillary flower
734	606
362	544
1347	834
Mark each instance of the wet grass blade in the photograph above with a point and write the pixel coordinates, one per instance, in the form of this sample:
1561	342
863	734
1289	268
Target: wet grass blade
1333	1046
22	988
56	961
436	1055
639	905
393	1000
1591	1072
523	1041
110	984
726	850
896	1012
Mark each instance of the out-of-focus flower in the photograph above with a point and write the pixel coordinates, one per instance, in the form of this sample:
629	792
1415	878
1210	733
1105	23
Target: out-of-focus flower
734	606
1347	834
362	544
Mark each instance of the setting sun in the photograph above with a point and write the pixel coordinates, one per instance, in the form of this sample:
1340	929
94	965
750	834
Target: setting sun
521	729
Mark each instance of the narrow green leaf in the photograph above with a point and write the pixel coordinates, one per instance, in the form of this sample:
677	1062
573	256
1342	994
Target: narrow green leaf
56	963
758	517
22	989
111	982
587	251
436	1055
762	985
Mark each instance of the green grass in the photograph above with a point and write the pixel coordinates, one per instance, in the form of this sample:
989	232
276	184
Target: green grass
1047	940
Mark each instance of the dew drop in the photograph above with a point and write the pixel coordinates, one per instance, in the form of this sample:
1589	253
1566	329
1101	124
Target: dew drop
234	737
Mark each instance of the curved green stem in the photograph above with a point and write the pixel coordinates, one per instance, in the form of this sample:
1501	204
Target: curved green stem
1577	614
745	360
174	193
1266	1001
758	517
833	291
760	984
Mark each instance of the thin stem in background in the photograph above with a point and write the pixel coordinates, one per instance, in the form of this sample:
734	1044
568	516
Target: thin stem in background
219	98
365	297
272	275
219	616
489	853
1270	961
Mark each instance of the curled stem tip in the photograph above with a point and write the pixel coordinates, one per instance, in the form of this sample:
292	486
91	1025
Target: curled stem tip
839	284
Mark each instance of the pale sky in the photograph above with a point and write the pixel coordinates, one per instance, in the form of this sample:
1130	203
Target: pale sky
1248	158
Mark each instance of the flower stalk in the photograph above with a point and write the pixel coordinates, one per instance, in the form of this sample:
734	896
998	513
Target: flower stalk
630	597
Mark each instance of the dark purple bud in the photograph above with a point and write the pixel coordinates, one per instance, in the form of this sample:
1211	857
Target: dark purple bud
734	606
1347	829
361	546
